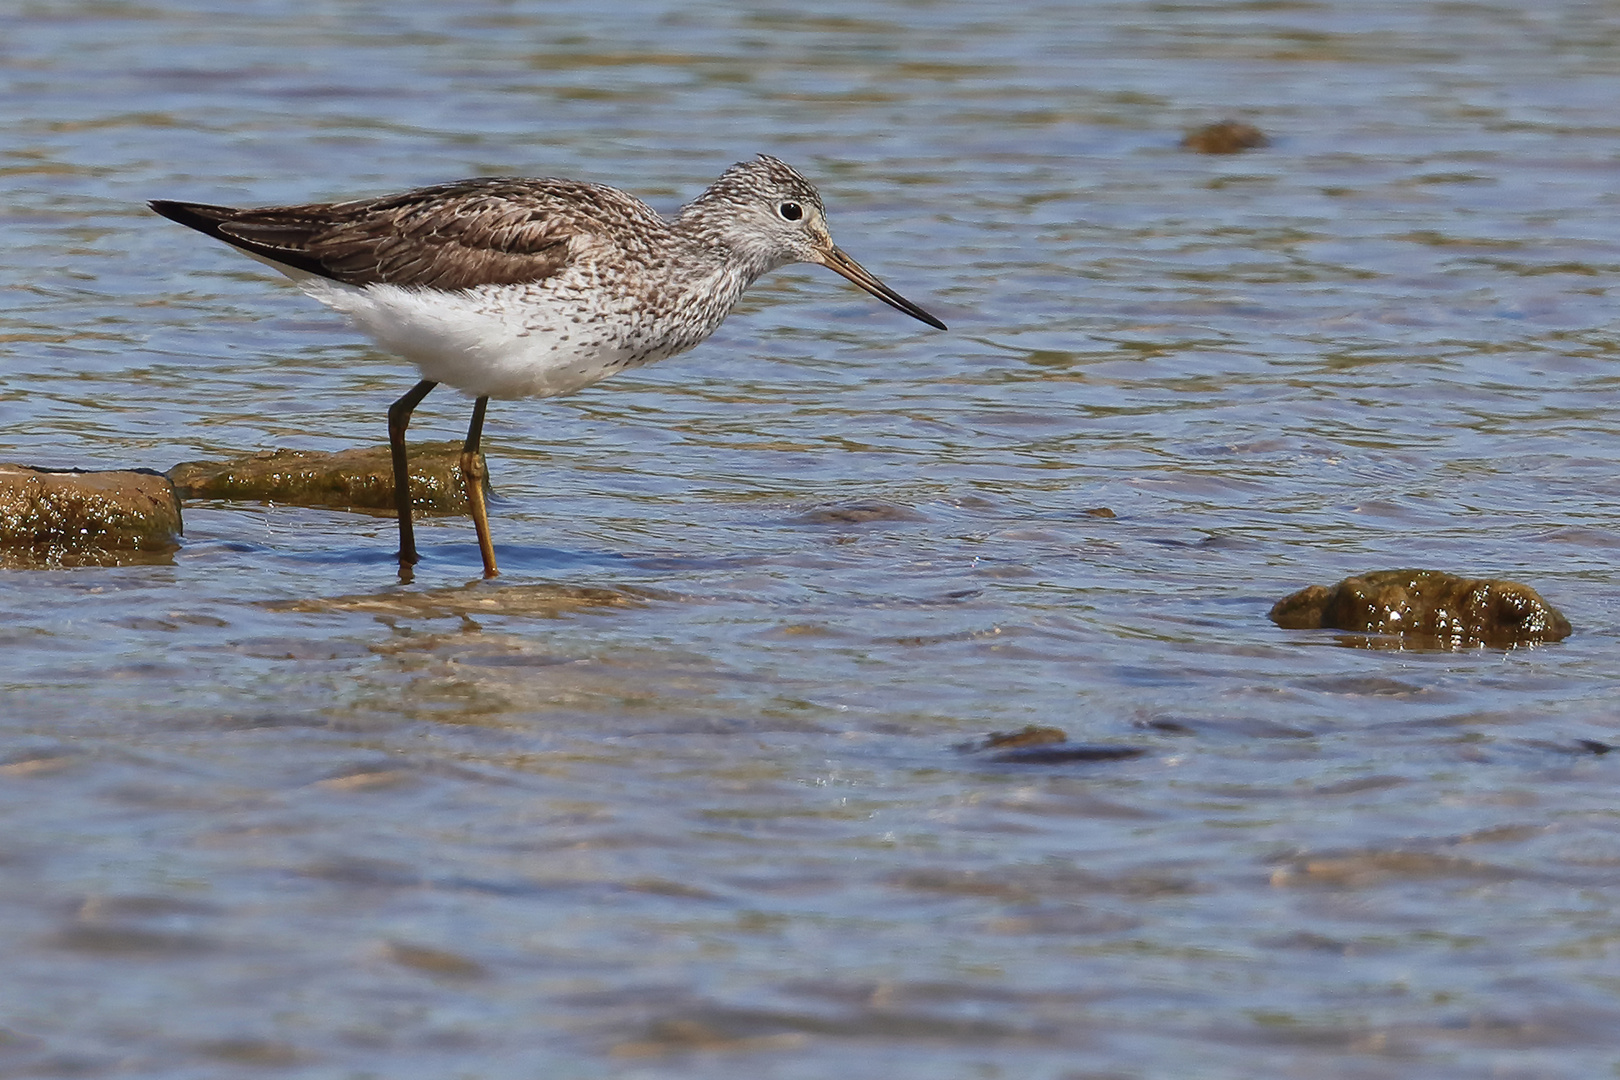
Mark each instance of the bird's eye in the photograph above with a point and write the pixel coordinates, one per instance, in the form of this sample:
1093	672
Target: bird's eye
790	211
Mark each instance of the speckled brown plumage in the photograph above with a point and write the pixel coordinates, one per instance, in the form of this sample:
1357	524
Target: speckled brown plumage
492	231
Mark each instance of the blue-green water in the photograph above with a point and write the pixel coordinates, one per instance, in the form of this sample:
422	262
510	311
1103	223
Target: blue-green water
677	796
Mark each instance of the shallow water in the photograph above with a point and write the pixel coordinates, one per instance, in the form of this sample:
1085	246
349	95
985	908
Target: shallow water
678	795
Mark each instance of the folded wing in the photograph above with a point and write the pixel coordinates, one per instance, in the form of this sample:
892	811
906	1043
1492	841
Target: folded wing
453	236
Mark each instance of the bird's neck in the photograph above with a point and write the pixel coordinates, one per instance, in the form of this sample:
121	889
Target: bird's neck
706	298
713	223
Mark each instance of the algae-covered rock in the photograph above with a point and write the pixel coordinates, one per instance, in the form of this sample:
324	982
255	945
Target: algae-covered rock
1225	137
1427	608
360	479
78	511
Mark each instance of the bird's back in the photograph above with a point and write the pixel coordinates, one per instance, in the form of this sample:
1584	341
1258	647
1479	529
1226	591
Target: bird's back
487	231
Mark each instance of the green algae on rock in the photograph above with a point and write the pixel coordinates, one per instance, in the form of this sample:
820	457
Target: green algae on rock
1426	608
73	516
361	479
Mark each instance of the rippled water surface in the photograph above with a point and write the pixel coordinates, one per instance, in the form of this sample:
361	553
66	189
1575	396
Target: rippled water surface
679	795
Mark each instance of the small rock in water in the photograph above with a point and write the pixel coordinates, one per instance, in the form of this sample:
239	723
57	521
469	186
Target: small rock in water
1225	137
1426	608
1036	745
1033	735
75	511
360	479
862	512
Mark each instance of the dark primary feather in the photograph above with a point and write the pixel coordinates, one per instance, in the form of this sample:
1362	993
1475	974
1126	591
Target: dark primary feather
453	236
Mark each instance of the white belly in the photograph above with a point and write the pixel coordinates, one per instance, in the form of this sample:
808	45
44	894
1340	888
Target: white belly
498	341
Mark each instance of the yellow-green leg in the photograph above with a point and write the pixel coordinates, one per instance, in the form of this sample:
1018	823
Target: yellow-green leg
473	474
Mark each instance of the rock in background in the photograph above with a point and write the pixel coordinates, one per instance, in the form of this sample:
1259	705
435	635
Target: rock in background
1426	608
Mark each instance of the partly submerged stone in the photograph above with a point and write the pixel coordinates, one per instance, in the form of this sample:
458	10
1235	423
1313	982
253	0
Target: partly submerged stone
361	479
859	512
1035	745
75	515
1426	608
1224	137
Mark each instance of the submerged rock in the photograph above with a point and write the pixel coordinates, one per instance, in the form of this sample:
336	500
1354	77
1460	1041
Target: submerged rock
1225	137
80	514
860	512
360	479
478	599
1426	608
1036	745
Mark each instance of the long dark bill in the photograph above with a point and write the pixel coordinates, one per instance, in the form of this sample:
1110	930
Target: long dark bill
834	259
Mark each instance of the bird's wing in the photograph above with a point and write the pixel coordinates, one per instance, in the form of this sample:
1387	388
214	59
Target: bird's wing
454	236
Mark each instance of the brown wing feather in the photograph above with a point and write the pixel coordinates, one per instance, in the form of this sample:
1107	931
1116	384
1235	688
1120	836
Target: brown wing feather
454	236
